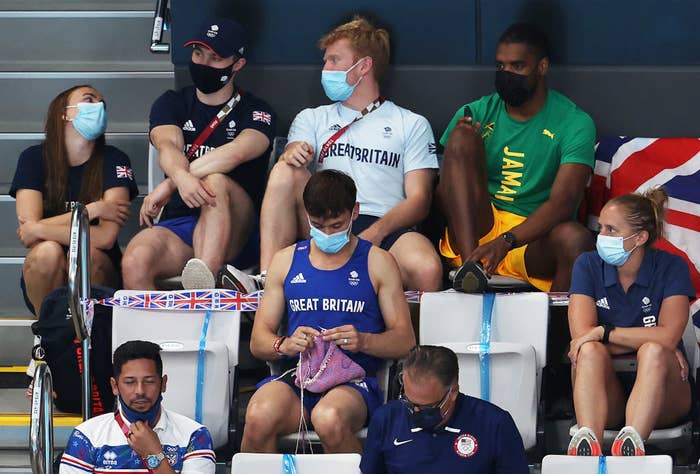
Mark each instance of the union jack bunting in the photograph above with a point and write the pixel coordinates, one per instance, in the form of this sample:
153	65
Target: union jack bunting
624	165
229	300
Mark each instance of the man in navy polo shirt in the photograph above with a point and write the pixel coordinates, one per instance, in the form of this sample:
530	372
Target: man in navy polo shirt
211	197
434	428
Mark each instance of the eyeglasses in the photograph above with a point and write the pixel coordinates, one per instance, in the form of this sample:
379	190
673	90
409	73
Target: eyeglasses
413	406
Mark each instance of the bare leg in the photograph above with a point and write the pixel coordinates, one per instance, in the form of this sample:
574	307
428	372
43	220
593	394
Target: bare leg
222	230
44	270
553	256
337	417
418	262
282	217
659	396
153	253
273	410
102	269
598	396
462	192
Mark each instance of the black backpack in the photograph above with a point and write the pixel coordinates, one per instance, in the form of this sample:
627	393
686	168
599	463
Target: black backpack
61	351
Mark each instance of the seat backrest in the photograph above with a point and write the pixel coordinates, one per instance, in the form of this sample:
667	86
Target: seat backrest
178	332
512	381
557	464
449	317
245	463
278	146
155	173
690	344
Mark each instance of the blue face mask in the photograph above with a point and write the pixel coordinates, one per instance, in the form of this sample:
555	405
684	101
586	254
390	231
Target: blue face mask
330	243
91	120
335	84
611	249
148	416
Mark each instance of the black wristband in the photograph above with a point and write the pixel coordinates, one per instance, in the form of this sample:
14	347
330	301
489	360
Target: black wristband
607	329
510	238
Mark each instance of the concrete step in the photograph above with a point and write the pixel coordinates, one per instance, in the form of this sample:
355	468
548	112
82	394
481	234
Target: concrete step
81	41
13	309
16	339
129	95
14	422
10	245
135	145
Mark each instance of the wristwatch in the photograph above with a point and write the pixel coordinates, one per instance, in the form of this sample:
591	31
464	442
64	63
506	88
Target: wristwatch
607	329
510	238
154	460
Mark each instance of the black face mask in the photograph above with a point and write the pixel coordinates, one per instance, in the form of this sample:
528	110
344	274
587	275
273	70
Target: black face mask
209	79
427	418
513	88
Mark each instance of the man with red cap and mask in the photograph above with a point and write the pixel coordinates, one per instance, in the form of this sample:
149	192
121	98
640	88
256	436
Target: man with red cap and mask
213	143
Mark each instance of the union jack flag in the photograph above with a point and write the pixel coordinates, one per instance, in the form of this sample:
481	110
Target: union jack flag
624	165
260	116
125	172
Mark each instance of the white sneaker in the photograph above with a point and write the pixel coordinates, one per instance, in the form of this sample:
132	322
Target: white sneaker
231	278
628	443
37	353
31	368
197	276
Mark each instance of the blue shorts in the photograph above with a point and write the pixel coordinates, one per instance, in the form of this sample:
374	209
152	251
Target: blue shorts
184	226
367	386
363	221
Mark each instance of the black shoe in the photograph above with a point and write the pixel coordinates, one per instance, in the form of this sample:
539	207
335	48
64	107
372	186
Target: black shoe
231	278
470	278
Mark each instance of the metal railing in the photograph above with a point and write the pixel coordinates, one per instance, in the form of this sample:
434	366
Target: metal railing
160	22
41	422
79	293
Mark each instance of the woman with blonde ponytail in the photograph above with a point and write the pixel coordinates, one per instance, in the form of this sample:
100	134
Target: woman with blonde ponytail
628	299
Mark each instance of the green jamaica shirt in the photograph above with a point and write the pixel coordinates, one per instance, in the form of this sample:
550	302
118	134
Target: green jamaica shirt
523	158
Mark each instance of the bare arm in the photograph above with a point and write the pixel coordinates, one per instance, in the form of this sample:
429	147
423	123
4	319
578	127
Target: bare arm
398	337
248	145
567	190
170	143
672	320
102	235
270	312
411	211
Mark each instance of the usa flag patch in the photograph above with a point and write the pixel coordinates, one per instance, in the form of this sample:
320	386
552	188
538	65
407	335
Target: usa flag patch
125	172
260	116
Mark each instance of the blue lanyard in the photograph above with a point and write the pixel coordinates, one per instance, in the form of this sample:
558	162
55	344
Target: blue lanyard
602	465
289	464
485	345
200	368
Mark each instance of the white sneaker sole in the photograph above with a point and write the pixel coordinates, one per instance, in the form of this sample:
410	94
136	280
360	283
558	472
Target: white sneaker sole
197	276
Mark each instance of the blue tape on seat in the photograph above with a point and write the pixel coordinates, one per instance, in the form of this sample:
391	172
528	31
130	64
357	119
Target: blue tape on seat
485	345
602	466
289	464
200	368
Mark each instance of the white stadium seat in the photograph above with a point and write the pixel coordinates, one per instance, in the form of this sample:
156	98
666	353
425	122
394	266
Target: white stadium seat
178	333
518	349
614	464
246	463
